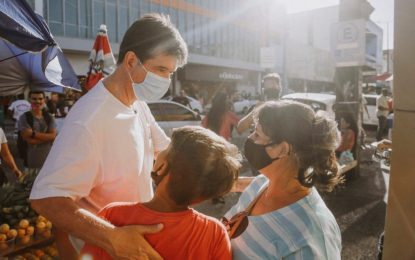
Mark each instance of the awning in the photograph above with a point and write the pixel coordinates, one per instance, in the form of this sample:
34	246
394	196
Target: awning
382	77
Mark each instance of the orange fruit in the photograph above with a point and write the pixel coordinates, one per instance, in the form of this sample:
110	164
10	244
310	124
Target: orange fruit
39	253
48	224
3	237
24	240
41	218
21	232
24	223
41	225
4	228
12	233
30	230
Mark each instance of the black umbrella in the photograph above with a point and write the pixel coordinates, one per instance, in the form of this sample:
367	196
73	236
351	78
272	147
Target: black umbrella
20	25
29	57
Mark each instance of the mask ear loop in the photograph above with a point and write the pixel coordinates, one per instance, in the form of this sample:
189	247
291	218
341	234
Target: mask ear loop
131	85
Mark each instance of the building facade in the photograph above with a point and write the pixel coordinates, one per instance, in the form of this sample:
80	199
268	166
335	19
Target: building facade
310	63
317	42
224	37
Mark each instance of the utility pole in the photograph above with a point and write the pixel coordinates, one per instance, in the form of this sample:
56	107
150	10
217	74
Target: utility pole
348	75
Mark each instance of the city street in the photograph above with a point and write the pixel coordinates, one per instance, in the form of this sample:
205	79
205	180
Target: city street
357	205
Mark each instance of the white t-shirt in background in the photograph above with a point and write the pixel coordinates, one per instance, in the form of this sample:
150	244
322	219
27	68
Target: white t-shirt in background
19	107
382	101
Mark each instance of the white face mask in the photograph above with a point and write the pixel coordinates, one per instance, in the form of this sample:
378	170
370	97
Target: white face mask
152	88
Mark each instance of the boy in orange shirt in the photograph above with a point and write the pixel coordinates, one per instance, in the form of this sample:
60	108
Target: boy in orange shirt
198	165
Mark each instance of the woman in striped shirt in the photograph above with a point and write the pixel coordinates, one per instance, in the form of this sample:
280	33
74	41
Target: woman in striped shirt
281	215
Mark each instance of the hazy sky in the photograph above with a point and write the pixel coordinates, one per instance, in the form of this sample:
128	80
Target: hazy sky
383	14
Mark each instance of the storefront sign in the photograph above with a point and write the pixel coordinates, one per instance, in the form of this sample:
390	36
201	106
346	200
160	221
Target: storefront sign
356	43
231	76
198	72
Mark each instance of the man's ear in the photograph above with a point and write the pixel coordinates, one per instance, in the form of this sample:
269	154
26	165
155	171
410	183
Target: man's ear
130	60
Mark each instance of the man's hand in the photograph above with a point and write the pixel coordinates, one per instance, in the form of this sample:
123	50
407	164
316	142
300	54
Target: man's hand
128	242
18	173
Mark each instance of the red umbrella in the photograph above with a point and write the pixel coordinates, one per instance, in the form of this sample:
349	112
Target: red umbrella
101	59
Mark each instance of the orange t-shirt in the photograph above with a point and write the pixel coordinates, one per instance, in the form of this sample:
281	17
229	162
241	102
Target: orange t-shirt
347	140
186	234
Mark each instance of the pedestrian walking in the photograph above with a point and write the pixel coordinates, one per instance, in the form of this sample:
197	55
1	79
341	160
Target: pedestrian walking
382	112
220	118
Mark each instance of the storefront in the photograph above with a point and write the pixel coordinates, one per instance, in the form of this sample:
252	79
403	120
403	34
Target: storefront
203	82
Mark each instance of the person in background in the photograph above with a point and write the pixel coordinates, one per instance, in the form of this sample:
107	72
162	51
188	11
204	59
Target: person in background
220	118
281	215
38	128
7	158
348	136
19	107
52	104
382	111
182	99
106	149
197	165
271	90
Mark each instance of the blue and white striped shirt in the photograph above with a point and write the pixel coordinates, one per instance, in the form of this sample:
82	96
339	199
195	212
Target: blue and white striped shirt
305	229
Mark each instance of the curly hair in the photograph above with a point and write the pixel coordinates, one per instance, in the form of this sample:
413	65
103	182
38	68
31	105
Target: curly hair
202	165
313	136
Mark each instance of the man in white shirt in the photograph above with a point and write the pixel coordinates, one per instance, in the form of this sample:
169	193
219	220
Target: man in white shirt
382	111
105	150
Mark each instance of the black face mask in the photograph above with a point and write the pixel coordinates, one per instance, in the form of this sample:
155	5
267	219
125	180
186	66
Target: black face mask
256	154
271	93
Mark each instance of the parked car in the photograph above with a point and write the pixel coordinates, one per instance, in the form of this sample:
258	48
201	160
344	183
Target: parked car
317	101
370	119
242	106
170	115
194	103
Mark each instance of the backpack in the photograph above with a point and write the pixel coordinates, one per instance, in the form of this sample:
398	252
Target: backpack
21	143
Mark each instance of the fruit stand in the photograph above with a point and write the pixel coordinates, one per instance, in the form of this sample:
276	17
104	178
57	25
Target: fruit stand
23	233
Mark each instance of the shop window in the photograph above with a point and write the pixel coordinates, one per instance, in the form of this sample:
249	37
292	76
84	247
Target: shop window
111	20
55	16
98	14
122	18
